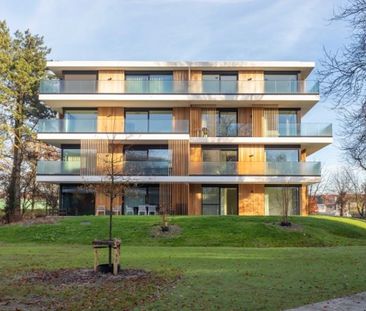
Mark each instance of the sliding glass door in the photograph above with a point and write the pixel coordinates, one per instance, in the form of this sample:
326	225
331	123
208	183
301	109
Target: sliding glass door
217	200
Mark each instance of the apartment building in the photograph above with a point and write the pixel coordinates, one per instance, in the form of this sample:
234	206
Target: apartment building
204	138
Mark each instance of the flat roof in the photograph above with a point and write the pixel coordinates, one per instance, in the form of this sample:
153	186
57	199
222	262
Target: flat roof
305	67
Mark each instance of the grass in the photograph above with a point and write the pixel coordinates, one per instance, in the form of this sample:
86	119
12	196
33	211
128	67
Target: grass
279	274
196	231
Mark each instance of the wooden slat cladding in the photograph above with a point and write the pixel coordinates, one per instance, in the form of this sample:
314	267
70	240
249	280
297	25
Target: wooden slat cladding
115	81
95	157
196	85
195	153
270	122
180	119
165	198
251	153
195	199
257	121
111	119
211	121
174	198
251	199
245	121
303	155
103	200
303	200
180	157
251	81
195	121
180	75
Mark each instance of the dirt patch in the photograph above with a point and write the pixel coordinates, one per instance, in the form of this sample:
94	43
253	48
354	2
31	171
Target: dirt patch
79	276
45	220
83	289
174	230
293	227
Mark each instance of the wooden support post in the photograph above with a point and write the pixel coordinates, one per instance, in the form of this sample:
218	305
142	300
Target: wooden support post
96	259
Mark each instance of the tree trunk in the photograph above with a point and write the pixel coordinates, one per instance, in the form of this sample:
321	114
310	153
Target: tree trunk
13	199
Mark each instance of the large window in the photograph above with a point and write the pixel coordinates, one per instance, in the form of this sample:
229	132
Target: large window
76	200
70	155
219	154
80	82
219	200
80	120
278	199
281	82
221	122
287	120
149	82
282	154
141	195
147	160
148	121
224	82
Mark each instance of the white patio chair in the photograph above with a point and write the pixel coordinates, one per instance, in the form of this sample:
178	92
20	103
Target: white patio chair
100	209
129	210
116	210
151	209
142	210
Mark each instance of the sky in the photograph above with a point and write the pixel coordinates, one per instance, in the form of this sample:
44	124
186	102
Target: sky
296	30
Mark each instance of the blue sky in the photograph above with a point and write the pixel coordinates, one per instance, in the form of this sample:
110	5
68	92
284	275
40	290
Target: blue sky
188	30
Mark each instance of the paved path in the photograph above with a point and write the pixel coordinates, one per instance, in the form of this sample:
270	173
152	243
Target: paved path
350	303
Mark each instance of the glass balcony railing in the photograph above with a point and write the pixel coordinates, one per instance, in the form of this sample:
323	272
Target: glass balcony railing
163	168
156	126
67	126
131	126
58	168
178	87
129	168
277	130
255	168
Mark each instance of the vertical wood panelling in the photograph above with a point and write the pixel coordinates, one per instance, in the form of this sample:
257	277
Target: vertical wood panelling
195	121
111	119
303	200
245	121
270	122
180	75
211	121
114	81
251	81
196	85
303	155
180	157
248	154
180	119
195	199
251	199
103	200
174	198
195	153
257	121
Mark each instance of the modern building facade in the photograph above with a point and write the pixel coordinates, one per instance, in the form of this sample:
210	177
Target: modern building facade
203	138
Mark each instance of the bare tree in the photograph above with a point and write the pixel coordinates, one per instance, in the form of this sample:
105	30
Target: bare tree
284	199
343	77
316	190
357	192
341	185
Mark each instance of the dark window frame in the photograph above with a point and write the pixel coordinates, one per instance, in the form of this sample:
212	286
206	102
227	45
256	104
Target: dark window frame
221	186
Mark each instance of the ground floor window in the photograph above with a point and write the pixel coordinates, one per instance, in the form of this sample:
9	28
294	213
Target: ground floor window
76	201
277	198
138	198
219	200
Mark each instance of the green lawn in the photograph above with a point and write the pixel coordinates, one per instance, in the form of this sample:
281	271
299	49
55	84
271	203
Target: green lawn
190	276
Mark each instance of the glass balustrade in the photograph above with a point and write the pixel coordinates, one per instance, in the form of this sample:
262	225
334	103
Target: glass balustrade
178	87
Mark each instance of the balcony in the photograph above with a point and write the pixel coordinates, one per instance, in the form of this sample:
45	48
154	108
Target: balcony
131	126
255	168
163	168
179	87
130	168
279	130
